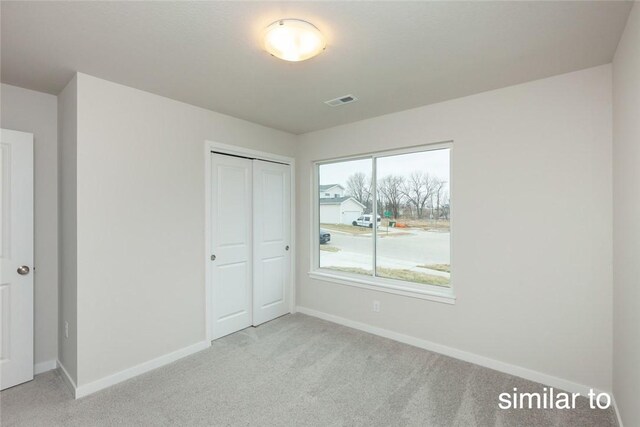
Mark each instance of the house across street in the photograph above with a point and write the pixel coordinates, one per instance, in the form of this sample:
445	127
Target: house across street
336	208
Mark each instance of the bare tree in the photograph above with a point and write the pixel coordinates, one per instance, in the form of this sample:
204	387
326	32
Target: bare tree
359	187
439	186
418	189
445	209
390	187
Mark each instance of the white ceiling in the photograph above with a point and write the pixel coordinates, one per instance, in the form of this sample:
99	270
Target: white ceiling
391	55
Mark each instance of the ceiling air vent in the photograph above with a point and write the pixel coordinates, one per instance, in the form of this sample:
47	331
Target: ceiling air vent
346	99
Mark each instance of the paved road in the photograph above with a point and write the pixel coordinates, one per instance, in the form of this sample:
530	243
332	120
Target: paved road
403	249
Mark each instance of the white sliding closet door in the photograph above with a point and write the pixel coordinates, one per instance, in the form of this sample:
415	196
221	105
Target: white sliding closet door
231	242
272	240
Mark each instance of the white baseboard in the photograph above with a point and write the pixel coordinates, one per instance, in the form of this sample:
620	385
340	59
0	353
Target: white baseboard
67	379
42	367
615	408
92	387
487	362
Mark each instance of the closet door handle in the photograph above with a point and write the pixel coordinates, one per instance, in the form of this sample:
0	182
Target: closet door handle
286	248
213	257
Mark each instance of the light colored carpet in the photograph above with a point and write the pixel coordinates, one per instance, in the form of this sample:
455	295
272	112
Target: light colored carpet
296	371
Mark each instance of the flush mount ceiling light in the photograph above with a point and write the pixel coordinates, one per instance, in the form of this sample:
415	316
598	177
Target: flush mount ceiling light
293	40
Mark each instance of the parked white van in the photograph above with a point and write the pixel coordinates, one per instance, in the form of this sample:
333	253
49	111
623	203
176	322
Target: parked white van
365	221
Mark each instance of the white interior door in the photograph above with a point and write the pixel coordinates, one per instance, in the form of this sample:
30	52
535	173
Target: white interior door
231	242
271	231
16	253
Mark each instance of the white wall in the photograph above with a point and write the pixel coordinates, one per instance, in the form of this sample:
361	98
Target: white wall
68	240
140	225
35	112
626	221
532	215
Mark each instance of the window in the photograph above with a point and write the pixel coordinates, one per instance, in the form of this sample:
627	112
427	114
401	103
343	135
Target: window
390	228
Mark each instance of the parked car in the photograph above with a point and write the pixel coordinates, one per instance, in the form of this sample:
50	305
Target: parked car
325	236
365	221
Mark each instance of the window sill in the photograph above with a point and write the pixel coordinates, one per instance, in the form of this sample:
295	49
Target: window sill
445	295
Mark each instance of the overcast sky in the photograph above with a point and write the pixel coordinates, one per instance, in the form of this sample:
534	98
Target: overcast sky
435	162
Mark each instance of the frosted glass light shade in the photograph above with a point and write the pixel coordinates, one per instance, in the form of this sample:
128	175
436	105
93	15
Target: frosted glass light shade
293	40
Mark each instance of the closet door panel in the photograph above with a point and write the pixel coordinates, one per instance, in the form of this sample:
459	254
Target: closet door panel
231	227
271	228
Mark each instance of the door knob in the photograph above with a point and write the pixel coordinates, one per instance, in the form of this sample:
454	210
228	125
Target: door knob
213	257
23	270
286	248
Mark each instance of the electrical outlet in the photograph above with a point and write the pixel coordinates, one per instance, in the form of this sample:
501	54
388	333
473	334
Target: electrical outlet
376	306
66	329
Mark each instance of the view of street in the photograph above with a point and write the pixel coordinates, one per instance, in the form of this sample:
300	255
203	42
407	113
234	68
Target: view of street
415	252
411	202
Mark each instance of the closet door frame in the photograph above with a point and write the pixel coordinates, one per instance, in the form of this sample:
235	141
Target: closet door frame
209	147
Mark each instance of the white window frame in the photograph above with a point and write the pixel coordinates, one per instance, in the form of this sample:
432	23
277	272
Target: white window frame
375	283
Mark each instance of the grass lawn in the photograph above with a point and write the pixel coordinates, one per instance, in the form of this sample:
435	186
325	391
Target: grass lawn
426	224
437	225
329	248
383	233
440	267
351	229
399	274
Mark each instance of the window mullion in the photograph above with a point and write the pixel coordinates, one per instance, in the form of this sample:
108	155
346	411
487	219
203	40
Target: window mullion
316	185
